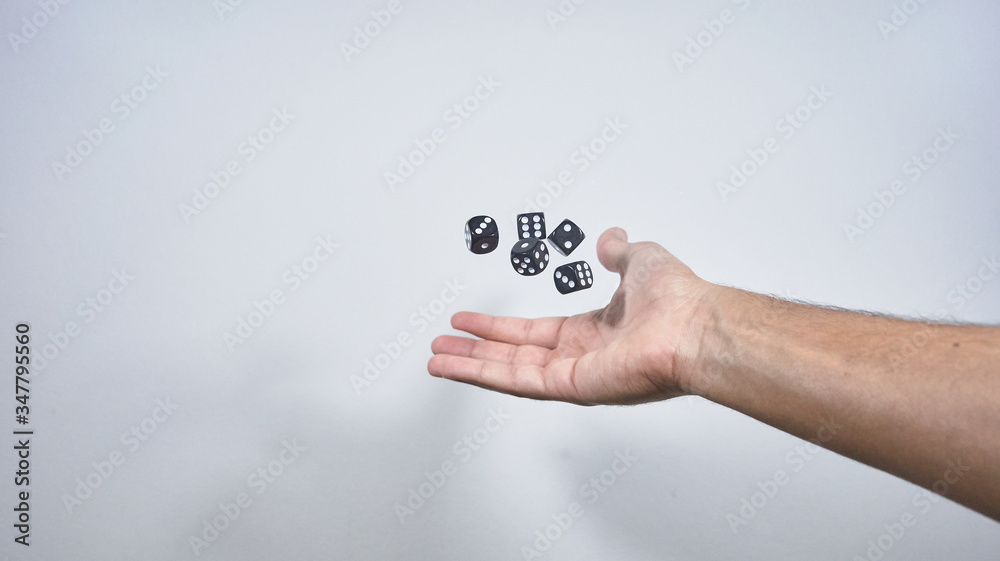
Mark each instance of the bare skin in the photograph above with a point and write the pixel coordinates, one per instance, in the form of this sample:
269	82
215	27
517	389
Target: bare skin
918	400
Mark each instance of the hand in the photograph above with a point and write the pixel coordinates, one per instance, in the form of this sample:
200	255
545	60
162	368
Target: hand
637	349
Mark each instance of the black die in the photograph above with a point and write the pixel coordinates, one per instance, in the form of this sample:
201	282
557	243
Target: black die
574	277
481	234
566	237
529	257
531	225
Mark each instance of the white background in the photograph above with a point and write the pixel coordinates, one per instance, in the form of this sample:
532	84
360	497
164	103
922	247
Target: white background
64	234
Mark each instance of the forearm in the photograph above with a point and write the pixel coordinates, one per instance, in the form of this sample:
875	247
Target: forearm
917	400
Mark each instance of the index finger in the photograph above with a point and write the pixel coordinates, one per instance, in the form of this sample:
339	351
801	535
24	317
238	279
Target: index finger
542	332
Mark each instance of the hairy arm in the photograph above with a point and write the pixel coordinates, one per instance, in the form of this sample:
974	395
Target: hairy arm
918	400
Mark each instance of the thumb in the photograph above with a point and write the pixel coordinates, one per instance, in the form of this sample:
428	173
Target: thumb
613	250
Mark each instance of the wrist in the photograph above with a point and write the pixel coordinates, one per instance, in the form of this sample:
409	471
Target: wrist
702	353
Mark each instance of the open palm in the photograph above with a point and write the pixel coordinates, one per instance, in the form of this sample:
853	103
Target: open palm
631	351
